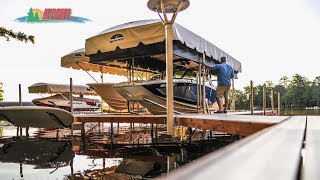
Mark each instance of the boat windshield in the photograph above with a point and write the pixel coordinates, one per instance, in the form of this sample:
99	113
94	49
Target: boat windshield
184	74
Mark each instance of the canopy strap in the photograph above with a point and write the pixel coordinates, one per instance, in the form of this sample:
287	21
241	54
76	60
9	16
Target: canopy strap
87	72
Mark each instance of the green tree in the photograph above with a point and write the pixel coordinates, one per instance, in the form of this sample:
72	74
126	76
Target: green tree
1	92
36	17
242	100
315	91
30	17
16	35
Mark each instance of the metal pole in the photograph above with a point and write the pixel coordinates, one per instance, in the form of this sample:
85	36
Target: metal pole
132	69
112	135
198	92
251	97
279	105
204	89
20	98
264	99
101	76
272	103
20	104
71	97
169	77
233	97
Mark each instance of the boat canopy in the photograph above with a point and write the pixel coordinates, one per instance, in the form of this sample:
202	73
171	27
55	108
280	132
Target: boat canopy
46	88
78	60
145	42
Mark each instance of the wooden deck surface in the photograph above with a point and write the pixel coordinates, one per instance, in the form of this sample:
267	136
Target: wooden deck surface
289	150
232	124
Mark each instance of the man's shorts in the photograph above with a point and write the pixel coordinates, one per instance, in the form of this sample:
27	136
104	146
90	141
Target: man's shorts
222	91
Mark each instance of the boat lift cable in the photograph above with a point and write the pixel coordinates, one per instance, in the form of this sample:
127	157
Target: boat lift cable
87	72
164	107
64	97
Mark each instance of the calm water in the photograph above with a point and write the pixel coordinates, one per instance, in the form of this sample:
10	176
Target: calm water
37	158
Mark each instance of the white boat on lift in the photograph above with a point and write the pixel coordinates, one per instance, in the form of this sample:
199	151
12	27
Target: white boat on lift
152	95
61	96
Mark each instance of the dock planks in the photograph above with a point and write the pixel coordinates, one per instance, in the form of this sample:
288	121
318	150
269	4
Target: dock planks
273	153
232	124
243	125
107	118
311	162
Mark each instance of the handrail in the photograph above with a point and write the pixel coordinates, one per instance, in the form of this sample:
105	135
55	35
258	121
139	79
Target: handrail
164	107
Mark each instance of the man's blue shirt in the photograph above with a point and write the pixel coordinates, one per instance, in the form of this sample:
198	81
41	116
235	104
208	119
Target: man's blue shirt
224	74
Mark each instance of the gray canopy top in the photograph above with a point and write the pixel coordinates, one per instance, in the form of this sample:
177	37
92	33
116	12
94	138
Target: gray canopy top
146	38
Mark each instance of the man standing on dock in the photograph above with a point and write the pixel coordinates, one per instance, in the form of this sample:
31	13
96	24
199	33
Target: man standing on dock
224	74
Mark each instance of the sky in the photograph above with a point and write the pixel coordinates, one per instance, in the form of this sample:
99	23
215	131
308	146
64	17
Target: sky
271	38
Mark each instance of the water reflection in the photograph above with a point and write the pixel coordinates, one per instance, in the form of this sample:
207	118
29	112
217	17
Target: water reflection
47	158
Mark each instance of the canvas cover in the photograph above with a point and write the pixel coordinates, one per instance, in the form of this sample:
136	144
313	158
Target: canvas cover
146	38
78	60
46	88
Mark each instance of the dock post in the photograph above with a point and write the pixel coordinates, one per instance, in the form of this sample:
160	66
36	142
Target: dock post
71	97
264	99
279	104
131	133
112	135
251	97
20	97
152	133
169	77
198	92
233	99
170	163
20	104
204	87
27	131
272	102
101	100
156	134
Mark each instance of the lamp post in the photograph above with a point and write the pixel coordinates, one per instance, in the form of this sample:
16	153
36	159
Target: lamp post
166	7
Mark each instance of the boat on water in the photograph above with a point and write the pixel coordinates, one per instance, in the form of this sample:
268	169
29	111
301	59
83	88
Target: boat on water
152	94
60	96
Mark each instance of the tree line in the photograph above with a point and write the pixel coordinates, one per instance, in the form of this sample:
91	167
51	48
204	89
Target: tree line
1	92
296	93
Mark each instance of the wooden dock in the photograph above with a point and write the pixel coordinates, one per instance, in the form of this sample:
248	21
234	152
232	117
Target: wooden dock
286	151
243	125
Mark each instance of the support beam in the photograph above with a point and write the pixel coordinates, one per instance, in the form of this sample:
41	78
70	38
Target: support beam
233	97
169	77
251	97
264	99
279	104
272	103
71	97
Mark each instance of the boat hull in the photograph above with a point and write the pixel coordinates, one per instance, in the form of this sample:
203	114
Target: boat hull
62	101
109	95
152	95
